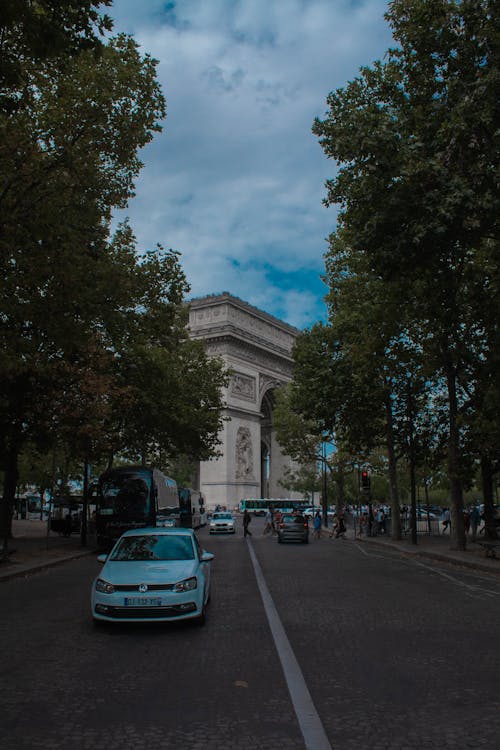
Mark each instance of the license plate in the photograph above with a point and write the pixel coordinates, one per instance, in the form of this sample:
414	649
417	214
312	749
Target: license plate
136	601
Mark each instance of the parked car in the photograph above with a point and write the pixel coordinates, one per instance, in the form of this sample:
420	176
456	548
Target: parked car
422	515
222	522
293	527
153	574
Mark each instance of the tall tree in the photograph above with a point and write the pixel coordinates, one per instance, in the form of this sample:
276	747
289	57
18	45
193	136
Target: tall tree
417	141
68	156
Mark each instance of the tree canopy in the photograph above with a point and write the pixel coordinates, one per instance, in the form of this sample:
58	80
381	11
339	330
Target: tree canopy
95	355
416	141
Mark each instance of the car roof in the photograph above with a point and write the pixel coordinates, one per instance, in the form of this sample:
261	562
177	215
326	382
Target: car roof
142	531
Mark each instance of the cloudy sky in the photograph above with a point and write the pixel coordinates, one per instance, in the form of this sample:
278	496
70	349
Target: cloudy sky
235	181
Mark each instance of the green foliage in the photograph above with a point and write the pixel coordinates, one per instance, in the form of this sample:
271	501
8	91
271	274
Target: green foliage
412	267
45	32
95	356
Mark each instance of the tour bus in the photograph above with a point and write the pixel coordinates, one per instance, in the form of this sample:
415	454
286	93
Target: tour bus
257	506
192	512
129	497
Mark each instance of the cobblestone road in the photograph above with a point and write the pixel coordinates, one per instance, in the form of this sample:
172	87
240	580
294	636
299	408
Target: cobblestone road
396	654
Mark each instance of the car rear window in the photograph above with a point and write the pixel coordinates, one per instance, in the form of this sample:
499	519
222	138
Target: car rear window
293	519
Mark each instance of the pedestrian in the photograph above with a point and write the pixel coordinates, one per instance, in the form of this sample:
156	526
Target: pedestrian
371	521
267	522
466	521
475	519
338	528
446	521
317	525
246	521
380	521
273	524
341	527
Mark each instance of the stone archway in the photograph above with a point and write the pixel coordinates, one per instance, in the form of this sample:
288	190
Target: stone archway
258	349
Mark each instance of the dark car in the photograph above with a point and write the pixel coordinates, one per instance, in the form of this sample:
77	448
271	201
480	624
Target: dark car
293	527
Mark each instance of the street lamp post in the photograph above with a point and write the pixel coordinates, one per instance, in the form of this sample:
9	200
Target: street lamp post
324	498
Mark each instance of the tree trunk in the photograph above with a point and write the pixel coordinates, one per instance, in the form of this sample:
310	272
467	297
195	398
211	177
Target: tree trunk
8	500
83	524
490	527
340	488
413	485
456	490
393	474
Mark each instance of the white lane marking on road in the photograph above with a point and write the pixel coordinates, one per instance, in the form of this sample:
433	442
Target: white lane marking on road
432	569
310	724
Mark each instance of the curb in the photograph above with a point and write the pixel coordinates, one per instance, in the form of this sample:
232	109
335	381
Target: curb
472	564
27	570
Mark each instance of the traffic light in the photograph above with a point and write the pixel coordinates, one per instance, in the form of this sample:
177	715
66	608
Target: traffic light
365	482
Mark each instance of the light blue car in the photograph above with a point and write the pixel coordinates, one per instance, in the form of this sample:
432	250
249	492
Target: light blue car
153	574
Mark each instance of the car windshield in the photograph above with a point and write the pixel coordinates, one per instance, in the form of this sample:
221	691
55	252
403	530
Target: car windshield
227	516
153	547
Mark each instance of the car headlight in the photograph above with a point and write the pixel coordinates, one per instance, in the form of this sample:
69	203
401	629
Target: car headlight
104	587
187	585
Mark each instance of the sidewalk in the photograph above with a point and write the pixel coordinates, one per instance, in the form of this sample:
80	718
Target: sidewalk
437	548
32	549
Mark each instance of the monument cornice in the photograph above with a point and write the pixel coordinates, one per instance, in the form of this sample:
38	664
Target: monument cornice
213	300
258	356
241	335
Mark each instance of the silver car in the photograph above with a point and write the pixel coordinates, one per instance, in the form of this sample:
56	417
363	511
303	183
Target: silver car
222	522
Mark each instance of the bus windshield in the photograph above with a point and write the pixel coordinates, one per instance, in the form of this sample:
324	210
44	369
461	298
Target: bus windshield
126	495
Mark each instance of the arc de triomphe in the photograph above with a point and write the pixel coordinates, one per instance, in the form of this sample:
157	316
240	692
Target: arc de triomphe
257	348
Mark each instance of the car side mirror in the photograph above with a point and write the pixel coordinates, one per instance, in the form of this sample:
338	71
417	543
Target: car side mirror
207	556
102	558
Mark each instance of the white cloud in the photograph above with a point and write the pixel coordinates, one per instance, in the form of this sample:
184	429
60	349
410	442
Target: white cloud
236	180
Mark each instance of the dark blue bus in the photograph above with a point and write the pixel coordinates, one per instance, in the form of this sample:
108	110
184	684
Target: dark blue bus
129	497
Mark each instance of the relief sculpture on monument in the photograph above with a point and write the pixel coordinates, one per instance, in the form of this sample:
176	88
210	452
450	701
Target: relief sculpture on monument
244	454
243	386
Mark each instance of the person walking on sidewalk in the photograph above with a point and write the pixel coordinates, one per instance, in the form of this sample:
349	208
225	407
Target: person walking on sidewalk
338	528
317	525
475	520
446	521
341	527
246	520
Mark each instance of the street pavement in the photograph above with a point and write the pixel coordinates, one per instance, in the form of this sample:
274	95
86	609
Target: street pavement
398	651
32	548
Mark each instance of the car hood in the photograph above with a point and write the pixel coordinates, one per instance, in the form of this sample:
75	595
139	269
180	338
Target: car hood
156	571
